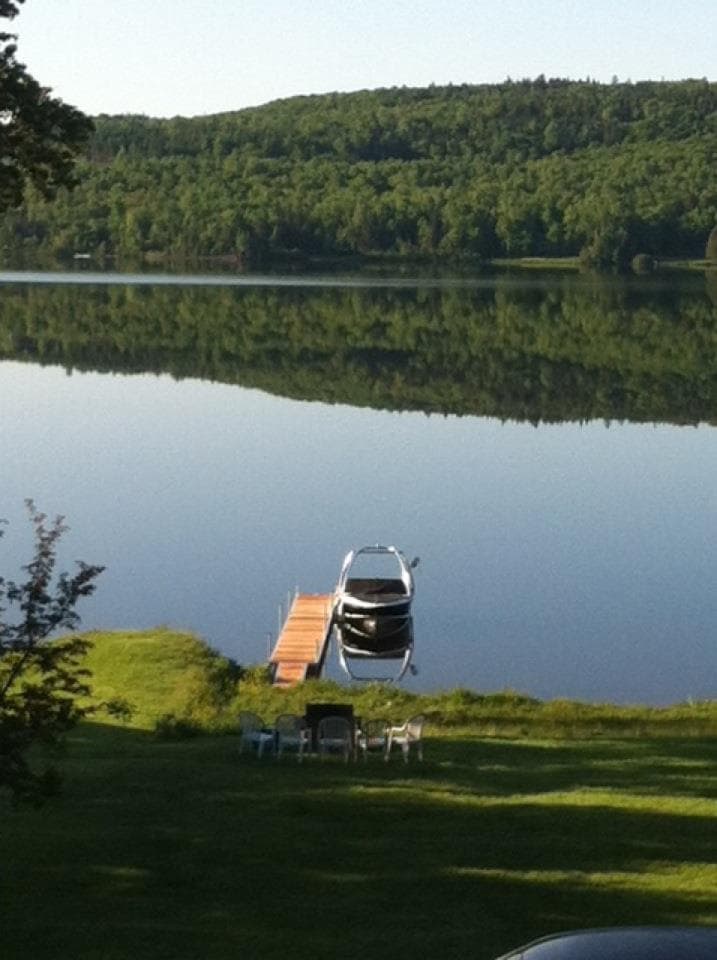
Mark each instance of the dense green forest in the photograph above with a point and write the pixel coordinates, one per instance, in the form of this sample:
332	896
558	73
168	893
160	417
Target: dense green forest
570	349
527	168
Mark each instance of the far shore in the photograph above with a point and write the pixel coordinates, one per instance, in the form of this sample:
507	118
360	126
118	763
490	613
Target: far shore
294	261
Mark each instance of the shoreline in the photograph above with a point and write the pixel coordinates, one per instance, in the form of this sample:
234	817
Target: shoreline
298	263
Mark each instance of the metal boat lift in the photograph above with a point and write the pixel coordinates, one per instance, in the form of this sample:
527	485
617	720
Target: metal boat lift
372	614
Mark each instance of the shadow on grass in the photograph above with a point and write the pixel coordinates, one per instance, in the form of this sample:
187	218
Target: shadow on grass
186	850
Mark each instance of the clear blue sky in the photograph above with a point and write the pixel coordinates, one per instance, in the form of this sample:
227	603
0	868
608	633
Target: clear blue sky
169	57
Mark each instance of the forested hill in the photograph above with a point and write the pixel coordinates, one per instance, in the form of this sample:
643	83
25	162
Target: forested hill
523	168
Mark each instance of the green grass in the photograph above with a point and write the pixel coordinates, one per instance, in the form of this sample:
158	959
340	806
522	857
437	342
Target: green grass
573	263
539	263
526	818
686	264
186	850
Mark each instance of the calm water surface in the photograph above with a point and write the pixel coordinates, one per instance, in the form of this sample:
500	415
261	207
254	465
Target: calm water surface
560	559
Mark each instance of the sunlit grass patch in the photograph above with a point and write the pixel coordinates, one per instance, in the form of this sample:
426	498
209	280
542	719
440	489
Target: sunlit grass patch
695	881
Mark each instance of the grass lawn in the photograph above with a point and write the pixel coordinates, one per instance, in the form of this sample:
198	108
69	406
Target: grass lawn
183	850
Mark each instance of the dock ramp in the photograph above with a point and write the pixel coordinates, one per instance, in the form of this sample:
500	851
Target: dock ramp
300	649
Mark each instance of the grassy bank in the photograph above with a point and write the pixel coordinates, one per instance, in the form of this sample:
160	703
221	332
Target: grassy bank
165	673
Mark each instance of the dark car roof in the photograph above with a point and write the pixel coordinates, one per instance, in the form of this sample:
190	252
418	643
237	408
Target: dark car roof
623	943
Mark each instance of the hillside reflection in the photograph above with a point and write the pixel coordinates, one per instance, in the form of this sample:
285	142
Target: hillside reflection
532	351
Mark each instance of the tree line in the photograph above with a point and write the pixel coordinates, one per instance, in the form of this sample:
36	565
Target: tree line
527	168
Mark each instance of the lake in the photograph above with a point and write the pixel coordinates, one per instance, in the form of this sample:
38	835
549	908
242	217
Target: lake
547	446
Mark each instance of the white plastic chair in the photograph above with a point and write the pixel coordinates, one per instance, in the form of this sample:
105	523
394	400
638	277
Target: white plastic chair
253	733
373	735
292	732
408	734
335	733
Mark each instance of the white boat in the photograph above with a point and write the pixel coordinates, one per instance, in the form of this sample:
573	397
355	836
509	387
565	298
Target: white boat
372	609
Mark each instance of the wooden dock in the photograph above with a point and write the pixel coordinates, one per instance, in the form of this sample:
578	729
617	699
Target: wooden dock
300	650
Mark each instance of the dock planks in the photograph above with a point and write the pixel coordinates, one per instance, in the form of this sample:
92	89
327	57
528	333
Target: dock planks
300	649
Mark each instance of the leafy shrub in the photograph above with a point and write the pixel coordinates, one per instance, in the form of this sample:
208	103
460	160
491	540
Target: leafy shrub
256	675
171	727
119	708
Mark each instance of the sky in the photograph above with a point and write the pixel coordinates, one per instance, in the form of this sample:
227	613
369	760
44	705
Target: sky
166	58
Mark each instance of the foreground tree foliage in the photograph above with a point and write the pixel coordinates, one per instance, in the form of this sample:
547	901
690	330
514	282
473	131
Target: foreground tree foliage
40	677
39	134
528	168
